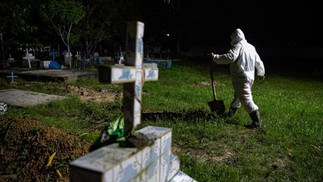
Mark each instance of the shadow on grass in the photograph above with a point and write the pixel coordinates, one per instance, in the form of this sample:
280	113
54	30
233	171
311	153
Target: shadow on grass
190	116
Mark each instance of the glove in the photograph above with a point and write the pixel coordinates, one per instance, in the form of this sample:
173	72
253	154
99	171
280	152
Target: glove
261	78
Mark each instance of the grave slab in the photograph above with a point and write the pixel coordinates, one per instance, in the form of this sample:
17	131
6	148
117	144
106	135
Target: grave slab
23	98
154	163
66	76
166	63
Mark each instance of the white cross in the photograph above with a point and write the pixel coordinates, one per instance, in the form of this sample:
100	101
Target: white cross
132	75
28	57
12	77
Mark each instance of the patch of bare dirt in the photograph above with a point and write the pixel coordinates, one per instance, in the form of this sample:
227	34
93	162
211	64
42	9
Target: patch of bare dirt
90	95
25	148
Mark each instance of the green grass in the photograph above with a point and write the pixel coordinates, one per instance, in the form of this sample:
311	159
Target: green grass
212	148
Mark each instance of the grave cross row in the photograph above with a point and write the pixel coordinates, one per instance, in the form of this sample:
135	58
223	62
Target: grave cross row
132	75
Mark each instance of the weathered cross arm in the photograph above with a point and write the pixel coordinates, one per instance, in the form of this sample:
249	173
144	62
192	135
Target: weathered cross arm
133	80
116	74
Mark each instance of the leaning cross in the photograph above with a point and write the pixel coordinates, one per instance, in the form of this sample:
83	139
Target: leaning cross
28	57
132	75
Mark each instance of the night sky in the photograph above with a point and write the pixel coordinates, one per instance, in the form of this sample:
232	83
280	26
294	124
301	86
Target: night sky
265	23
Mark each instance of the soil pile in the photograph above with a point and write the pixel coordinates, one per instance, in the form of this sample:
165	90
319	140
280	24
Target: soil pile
26	147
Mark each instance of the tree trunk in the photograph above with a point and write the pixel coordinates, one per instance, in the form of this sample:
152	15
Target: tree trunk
2	61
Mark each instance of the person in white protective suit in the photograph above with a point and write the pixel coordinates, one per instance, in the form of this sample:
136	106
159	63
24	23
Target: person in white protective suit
244	64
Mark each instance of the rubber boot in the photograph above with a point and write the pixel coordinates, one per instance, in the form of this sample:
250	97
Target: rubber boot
255	117
232	111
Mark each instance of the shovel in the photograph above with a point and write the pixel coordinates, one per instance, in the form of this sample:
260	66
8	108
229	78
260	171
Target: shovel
216	106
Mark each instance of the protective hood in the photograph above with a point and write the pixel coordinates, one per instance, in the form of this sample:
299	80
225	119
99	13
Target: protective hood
237	36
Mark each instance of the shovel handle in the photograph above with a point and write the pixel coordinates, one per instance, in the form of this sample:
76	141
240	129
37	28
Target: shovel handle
212	66
212	84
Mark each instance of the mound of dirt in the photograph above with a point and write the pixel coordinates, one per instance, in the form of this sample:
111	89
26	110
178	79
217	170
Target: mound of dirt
26	146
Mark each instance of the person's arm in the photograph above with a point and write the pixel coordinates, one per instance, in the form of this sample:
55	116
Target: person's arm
260	68
229	57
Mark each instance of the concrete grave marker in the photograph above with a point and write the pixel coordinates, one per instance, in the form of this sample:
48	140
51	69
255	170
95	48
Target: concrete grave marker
23	98
133	75
3	108
29	57
151	163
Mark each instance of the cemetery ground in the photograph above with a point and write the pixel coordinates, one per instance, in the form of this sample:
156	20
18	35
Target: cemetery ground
210	147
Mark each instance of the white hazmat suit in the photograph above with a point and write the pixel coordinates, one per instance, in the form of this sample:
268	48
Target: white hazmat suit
244	64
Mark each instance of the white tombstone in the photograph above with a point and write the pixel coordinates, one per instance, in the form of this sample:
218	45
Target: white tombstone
11	59
3	108
132	75
29	57
68	58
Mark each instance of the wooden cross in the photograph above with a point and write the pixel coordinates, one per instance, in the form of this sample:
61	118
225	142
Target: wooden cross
132	75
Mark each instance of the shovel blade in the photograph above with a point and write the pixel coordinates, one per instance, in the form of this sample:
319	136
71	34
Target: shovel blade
217	106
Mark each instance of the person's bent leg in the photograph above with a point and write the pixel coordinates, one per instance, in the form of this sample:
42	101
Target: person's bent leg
246	99
253	112
234	106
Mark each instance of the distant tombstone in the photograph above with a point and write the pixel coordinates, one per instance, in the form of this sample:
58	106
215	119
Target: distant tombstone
11	59
68	58
53	54
28	57
12	77
54	64
77	55
96	57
